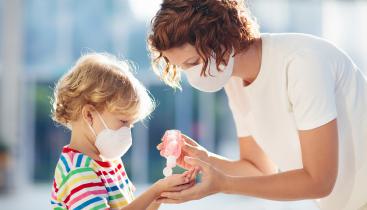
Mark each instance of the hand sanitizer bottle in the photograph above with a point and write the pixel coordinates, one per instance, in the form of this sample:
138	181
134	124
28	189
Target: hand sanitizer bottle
172	143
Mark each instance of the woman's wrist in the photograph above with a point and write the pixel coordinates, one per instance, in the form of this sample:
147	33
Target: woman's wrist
226	184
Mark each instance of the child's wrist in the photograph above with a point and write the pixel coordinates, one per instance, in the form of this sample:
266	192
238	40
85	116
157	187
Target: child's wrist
157	188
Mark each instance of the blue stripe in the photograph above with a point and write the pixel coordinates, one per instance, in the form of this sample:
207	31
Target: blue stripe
54	203
88	202
114	188
65	163
79	160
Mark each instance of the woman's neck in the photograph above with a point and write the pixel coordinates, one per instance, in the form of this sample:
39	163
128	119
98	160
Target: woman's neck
84	143
248	63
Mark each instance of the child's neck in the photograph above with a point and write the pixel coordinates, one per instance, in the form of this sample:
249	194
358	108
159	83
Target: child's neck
84	144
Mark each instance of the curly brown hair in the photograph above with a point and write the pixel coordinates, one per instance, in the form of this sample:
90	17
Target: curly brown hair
213	27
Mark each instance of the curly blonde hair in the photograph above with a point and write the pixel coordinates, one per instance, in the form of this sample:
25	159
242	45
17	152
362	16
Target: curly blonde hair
103	81
211	26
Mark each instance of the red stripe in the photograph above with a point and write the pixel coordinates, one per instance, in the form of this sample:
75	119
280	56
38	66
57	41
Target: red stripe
80	187
55	187
104	164
112	172
67	149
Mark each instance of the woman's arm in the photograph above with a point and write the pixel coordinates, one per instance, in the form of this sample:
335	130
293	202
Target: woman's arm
315	180
252	162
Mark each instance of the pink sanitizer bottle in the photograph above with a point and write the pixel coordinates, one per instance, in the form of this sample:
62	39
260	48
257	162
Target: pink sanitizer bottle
172	143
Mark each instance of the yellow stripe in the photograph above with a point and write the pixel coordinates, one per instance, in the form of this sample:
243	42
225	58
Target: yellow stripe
71	184
58	178
118	204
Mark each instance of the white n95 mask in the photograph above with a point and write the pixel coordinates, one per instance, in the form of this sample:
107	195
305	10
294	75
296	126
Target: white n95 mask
112	144
214	80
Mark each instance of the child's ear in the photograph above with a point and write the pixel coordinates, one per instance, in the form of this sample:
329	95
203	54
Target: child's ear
87	114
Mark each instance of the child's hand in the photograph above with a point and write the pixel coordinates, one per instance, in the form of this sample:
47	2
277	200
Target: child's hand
176	182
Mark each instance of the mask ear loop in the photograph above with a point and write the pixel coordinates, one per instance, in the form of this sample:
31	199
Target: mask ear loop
90	127
103	122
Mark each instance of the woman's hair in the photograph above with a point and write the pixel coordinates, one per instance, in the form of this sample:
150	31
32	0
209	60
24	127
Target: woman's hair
104	82
213	27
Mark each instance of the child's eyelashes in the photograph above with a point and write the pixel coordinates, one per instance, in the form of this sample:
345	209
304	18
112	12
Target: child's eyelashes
127	123
124	122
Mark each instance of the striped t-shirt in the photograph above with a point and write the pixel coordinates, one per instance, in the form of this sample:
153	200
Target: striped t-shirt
83	183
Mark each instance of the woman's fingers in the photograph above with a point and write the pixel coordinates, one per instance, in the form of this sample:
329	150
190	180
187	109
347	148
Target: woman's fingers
197	163
183	164
167	200
189	140
189	149
191	193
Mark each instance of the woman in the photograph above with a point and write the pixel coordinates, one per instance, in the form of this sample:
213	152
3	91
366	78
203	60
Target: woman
299	105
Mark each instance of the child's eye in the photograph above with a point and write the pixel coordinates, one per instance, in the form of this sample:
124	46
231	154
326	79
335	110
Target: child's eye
124	122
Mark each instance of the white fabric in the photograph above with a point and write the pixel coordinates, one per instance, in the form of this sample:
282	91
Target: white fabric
305	82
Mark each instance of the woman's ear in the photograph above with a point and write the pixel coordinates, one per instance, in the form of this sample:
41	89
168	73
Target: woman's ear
87	114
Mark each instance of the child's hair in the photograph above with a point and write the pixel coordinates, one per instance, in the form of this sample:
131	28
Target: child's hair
103	81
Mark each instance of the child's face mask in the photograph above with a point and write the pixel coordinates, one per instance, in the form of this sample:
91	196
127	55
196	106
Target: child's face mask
112	144
214	81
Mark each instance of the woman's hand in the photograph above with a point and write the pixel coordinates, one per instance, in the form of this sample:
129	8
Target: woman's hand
190	148
176	182
212	182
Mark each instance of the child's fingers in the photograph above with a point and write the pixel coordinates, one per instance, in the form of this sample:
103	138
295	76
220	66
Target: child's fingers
177	179
194	174
182	187
189	174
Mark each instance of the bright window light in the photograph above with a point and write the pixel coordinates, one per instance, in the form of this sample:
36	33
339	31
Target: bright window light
144	9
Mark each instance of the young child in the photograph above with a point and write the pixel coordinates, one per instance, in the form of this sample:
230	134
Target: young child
99	100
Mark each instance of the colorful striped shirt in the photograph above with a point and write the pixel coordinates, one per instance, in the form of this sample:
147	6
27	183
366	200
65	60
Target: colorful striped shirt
83	183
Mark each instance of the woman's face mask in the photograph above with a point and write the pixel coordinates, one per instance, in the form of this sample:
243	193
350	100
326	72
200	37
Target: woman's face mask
215	79
112	144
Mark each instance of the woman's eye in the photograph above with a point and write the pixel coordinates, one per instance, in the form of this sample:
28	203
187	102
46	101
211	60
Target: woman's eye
197	62
124	122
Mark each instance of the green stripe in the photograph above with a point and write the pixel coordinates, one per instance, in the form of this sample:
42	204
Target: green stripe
87	162
75	171
113	197
61	171
59	208
102	206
